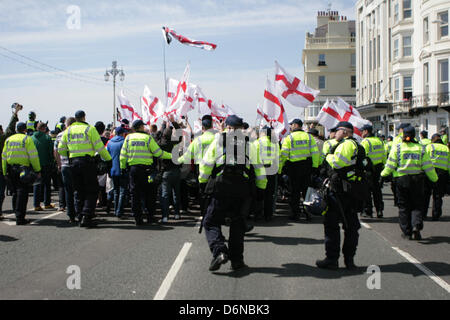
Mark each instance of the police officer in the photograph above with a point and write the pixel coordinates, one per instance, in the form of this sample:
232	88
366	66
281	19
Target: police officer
410	160
440	157
444	136
61	125
345	173
80	142
299	150
31	123
136	155
397	140
227	163
268	153
424	138
19	152
328	145
376	153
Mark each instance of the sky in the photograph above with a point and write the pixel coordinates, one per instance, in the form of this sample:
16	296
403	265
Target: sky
250	35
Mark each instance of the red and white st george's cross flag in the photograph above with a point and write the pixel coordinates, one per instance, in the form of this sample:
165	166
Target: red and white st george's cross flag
152	107
176	94
127	109
207	106
292	89
334	112
167	33
275	112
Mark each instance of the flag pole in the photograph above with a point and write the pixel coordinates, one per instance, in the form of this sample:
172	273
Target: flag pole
165	76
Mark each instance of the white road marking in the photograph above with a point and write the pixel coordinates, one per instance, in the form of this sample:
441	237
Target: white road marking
366	225
424	269
9	223
47	217
165	286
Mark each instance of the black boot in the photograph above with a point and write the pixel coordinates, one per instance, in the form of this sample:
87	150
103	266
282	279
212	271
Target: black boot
327	263
380	214
416	234
222	258
236	265
350	264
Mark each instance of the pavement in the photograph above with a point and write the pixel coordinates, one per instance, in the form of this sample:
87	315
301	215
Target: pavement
117	260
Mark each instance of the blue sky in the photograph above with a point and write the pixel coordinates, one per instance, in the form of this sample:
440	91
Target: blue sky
250	35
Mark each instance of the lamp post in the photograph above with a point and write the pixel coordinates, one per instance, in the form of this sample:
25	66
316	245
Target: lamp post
114	72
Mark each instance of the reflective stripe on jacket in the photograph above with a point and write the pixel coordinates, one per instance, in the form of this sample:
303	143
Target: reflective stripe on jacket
20	149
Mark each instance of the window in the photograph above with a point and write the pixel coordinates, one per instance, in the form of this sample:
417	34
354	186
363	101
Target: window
407	9
397	89
407	88
443	28
370	92
426	32
389	8
361	30
395	49
321	82
375	91
353	59
353	82
322	60
396	12
370	55
443	76
390	44
374	53
378	52
362	60
407	46
426	79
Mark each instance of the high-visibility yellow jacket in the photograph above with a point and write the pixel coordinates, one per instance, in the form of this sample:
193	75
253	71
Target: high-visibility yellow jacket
20	149
80	140
197	148
440	155
375	150
345	156
267	153
140	148
425	142
388	146
444	139
299	146
215	156
327	146
31	125
409	158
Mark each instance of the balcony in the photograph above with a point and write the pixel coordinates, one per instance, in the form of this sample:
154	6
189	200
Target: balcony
330	42
441	100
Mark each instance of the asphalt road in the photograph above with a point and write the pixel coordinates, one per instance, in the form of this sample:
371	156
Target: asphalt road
118	260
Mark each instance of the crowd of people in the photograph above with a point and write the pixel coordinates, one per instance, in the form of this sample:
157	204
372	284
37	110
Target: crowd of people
235	173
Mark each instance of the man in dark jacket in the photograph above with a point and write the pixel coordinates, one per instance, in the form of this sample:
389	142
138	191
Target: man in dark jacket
120	179
170	186
3	136
42	188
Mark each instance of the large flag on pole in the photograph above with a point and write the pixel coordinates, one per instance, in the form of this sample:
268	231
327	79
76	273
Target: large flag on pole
128	110
152	107
168	33
292	89
334	112
275	112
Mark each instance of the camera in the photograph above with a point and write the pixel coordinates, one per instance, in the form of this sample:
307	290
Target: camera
15	105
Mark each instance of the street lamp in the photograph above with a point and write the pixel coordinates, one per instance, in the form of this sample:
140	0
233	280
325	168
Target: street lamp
114	72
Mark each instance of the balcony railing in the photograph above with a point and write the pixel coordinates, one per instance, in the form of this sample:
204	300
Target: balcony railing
421	101
330	42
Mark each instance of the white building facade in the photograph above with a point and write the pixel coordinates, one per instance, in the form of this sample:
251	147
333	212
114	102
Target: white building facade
403	52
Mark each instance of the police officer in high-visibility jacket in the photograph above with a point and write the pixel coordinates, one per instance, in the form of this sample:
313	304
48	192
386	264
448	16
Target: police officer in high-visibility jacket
410	160
197	150
376	153
61	125
440	157
268	151
227	167
137	154
328	145
444	135
19	152
345	173
424	138
397	140
300	154
31	123
80	142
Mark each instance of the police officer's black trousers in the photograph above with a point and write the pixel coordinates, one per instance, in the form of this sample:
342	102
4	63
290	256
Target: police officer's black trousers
19	191
141	191
351	225
410	193
438	193
299	177
219	209
270	195
85	185
375	191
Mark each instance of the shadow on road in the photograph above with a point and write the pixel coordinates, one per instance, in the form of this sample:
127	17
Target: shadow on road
435	240
303	270
290	241
4	238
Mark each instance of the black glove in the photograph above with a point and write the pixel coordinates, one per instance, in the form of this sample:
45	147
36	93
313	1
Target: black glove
202	187
259	194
